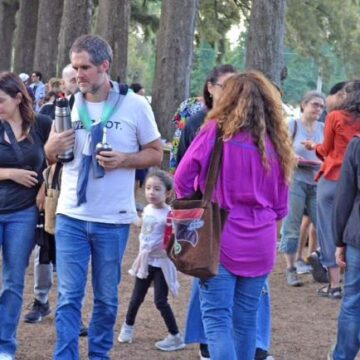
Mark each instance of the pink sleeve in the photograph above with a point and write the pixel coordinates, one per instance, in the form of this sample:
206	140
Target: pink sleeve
195	163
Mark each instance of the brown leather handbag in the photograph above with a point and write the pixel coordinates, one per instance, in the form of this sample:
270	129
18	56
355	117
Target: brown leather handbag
197	227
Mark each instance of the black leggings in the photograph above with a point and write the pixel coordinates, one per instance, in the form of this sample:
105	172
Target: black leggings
161	291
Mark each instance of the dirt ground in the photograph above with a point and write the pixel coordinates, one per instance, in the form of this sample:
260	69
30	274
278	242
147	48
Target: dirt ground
304	325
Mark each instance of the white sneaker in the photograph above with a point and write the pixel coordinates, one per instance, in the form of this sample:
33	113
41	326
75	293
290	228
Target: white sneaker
126	333
302	267
4	356
171	343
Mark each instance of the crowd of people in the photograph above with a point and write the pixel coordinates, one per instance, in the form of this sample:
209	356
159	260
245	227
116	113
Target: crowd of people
297	181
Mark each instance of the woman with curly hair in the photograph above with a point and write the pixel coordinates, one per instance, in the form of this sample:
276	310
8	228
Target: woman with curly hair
252	185
22	159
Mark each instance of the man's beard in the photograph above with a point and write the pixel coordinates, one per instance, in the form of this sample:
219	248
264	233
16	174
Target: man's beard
93	89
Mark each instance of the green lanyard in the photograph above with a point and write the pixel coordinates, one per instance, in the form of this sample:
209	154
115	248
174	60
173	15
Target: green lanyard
108	110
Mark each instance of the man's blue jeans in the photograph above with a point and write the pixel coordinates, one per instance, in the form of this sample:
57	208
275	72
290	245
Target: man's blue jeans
76	242
229	304
348	336
194	329
17	239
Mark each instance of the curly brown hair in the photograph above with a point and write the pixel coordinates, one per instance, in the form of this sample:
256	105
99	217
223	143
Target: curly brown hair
11	84
251	102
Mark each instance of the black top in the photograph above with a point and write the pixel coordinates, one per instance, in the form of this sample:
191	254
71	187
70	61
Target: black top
189	132
346	213
13	196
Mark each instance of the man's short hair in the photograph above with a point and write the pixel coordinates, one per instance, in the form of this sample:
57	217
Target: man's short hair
337	87
97	47
38	74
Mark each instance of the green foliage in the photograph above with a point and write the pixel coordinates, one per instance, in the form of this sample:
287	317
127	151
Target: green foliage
303	73
204	61
141	61
146	14
215	19
314	25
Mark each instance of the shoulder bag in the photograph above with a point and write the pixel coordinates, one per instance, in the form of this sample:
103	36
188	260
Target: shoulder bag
197	226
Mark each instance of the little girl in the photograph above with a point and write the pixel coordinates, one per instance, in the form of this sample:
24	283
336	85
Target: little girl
153	265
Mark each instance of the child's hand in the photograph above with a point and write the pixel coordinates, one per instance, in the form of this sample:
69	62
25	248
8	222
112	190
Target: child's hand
138	222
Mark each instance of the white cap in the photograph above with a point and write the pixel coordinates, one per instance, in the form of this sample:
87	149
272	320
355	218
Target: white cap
24	77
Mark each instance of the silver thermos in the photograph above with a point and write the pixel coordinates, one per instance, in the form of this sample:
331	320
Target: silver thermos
63	123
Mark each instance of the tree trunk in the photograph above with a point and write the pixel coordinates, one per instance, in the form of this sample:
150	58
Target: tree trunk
265	43
173	60
46	48
7	27
26	25
75	22
113	25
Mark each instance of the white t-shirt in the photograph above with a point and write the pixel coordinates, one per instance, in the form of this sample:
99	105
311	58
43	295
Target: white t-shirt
152	232
110	199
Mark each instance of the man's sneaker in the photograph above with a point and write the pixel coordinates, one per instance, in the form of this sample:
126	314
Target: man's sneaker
319	273
126	333
171	343
204	352
4	356
292	278
302	267
37	312
83	330
262	354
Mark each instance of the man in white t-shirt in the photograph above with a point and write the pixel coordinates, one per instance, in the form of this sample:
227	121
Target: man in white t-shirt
97	204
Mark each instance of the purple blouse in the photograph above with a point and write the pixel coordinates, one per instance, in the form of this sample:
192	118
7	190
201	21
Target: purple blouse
256	198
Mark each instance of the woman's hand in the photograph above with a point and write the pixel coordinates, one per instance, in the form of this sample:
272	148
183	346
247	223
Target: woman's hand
309	145
340	256
27	178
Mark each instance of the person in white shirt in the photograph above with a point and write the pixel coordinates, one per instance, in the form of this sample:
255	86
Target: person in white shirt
96	204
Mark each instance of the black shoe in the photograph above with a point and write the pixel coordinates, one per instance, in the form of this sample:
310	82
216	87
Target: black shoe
319	273
204	352
261	354
37	312
83	330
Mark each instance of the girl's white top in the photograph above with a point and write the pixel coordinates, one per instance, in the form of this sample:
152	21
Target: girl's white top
151	251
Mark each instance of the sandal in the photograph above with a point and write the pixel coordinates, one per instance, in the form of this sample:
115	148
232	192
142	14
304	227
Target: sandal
331	293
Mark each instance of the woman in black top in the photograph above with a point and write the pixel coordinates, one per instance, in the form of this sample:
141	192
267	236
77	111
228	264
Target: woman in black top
22	159
346	218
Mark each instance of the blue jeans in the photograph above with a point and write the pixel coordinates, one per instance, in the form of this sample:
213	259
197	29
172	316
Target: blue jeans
194	329
301	195
76	242
229	305
348	336
17	240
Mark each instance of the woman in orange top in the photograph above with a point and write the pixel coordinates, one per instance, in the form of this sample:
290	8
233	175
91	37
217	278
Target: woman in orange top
340	127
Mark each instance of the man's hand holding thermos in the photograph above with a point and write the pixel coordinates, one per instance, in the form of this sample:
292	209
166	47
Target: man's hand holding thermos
61	140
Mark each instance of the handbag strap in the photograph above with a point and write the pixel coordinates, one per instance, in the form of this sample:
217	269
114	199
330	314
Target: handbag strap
55	183
13	142
214	167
